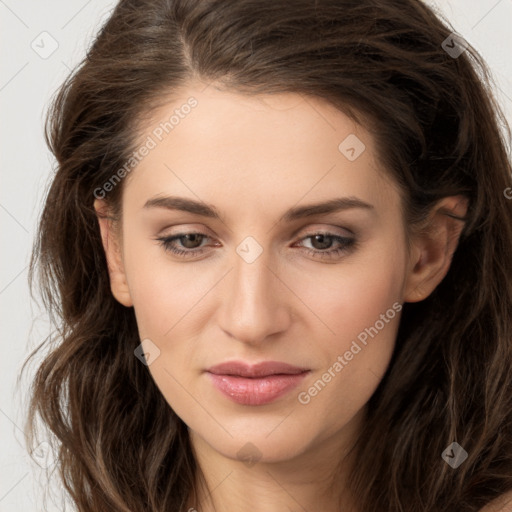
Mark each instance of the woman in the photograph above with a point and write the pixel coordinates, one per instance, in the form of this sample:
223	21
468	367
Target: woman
278	247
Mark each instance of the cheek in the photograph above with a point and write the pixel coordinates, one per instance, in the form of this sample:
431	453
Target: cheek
335	305
347	297
352	295
360	303
163	291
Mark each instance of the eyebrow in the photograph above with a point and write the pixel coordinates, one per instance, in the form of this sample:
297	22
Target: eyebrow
298	212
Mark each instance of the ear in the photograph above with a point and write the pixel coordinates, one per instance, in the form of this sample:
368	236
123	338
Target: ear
433	247
112	246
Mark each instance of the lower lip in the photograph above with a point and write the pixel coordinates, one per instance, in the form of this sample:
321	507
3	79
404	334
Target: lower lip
256	391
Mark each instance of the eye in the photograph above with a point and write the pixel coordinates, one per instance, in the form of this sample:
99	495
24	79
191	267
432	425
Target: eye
190	244
188	240
324	241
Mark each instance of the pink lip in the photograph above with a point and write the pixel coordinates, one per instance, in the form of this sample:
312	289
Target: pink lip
263	369
257	384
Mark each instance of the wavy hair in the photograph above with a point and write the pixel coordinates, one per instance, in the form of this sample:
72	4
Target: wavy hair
439	132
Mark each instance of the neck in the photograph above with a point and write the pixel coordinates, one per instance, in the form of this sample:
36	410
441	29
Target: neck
314	479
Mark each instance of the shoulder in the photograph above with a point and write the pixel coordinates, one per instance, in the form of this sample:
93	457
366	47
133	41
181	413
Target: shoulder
500	504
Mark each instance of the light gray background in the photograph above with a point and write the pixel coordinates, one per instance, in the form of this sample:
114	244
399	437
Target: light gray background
28	78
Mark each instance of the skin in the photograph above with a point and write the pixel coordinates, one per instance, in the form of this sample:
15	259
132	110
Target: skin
253	158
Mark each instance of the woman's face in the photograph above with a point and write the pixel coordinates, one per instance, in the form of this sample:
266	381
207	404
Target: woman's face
253	283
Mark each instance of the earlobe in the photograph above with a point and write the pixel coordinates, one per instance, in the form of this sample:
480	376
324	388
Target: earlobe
434	246
113	254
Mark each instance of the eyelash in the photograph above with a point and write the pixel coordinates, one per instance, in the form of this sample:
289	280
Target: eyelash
347	244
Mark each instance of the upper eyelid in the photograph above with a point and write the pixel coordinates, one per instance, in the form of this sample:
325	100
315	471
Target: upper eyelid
332	230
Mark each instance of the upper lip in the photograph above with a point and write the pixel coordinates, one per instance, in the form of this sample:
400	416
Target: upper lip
265	368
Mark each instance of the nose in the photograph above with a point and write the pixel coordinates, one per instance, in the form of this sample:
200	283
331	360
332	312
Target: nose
256	303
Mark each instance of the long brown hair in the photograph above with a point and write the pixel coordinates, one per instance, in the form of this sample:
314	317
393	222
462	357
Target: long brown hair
439	132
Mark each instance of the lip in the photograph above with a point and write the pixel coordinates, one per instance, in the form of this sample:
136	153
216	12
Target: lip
263	369
257	384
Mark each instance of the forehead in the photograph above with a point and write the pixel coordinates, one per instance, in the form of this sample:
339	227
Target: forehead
256	148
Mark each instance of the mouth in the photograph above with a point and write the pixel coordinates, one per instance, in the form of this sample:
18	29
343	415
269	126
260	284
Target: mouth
263	369
258	384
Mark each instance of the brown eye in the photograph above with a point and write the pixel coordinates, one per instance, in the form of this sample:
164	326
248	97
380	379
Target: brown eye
189	244
322	242
190	240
